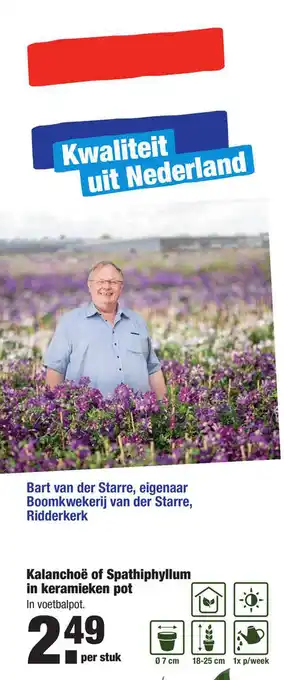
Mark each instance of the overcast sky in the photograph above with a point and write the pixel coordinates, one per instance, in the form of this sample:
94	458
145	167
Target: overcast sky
207	217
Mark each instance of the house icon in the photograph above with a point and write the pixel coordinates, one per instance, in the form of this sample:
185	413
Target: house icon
208	600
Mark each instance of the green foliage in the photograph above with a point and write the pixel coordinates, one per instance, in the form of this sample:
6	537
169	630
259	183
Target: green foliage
261	334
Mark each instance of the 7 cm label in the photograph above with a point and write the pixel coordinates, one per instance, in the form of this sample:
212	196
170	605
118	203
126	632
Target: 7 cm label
164	659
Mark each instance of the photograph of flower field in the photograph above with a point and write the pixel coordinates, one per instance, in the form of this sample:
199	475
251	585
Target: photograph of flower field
210	317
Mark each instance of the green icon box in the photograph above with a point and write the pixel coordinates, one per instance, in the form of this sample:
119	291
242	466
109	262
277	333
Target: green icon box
208	599
250	598
166	637
208	637
251	637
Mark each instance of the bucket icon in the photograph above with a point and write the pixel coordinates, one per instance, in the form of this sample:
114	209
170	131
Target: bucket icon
167	641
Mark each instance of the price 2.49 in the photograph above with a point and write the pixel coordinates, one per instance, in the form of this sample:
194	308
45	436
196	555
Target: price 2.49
92	629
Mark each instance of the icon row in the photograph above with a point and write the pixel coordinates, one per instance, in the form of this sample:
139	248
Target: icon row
208	637
250	599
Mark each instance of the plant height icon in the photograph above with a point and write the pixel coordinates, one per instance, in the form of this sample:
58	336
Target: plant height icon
209	642
208	637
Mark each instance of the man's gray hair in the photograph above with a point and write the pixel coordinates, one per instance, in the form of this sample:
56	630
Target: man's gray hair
104	263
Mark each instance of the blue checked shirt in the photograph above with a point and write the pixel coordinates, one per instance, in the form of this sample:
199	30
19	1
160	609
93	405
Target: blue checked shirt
85	345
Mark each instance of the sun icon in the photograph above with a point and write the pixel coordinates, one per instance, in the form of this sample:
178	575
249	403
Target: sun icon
251	600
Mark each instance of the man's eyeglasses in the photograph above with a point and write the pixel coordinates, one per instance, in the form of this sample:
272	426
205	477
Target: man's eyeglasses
103	282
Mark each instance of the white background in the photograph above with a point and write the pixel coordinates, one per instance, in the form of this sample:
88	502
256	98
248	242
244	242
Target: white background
231	534
239	89
234	531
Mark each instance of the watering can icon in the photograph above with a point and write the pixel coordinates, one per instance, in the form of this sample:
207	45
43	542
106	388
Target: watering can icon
253	636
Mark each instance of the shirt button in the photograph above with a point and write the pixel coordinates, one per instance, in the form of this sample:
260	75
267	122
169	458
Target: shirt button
117	357
120	369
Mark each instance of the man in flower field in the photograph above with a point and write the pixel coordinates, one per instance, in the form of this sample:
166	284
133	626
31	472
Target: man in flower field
104	342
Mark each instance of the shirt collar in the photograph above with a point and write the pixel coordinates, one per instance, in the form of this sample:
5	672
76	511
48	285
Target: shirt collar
92	310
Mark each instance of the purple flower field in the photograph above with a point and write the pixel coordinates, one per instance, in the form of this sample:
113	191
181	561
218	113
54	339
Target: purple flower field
212	327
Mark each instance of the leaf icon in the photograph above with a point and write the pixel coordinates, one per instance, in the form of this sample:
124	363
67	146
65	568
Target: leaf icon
225	675
206	602
212	601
